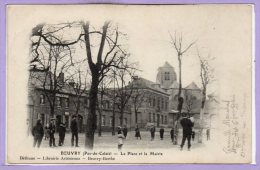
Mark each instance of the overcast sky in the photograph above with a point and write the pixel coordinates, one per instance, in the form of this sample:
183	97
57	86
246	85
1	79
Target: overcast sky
223	31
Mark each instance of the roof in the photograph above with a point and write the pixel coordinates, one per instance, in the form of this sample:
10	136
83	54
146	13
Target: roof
166	64
144	83
37	79
174	85
192	86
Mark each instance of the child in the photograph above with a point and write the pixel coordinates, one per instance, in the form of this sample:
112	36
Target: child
120	139
46	132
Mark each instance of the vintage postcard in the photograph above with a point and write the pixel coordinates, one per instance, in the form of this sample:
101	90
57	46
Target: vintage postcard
129	84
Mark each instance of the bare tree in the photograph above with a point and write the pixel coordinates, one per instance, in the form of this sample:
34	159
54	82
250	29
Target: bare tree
79	85
104	62
103	91
51	58
189	105
206	75
51	75
138	98
177	43
124	87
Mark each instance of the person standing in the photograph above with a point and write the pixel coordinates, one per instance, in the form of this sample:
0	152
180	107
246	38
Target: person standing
46	132
187	125
125	130
62	131
172	134
137	132
74	131
161	133
120	137
208	134
37	133
51	133
152	130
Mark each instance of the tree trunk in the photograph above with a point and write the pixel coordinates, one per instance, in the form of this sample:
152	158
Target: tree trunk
100	115
99	124
52	113
180	77
121	116
92	117
113	120
175	123
200	135
136	117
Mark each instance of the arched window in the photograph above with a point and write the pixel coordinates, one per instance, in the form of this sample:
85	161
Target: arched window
167	75
42	99
66	102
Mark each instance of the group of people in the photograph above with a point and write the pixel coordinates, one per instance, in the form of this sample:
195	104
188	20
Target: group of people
187	124
38	132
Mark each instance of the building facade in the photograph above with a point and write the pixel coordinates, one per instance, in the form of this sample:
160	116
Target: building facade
191	94
68	103
154	105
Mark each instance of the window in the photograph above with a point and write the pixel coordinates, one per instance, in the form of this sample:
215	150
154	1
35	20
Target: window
42	118
150	101
86	101
108	104
165	121
125	121
154	102
162	106
166	105
161	119
66	102
154	117
42	99
167	75
150	117
103	120
176	97
158	103
58	102
111	121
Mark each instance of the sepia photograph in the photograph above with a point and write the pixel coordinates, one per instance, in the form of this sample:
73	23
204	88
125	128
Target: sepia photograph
130	84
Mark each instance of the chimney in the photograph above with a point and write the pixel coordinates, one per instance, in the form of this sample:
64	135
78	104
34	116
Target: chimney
72	84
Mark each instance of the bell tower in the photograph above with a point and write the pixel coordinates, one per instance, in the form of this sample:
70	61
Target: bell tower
166	75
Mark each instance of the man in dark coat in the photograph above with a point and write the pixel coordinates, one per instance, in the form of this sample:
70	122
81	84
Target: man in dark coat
62	131
187	125
37	133
137	132
161	133
125	130
152	130
172	134
74	131
52	132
